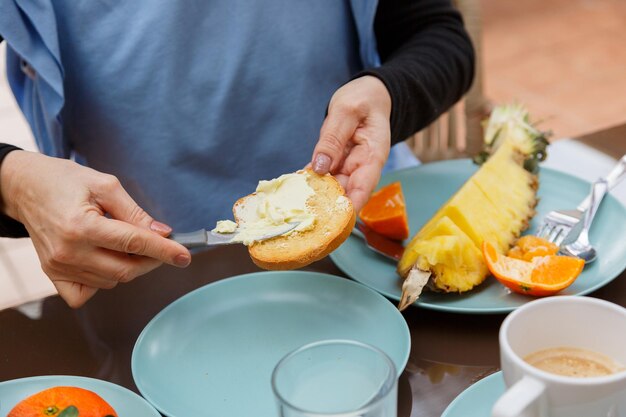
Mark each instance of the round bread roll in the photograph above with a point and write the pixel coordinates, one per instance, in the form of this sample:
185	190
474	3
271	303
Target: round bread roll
334	219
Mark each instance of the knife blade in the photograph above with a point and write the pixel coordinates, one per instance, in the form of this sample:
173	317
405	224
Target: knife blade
204	237
389	248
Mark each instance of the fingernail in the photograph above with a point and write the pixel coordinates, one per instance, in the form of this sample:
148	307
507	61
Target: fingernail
321	164
160	227
182	260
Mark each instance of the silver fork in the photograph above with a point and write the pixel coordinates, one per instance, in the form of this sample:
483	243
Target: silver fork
557	223
576	242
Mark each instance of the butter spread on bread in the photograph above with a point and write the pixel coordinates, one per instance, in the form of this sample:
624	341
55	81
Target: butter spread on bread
275	204
318	202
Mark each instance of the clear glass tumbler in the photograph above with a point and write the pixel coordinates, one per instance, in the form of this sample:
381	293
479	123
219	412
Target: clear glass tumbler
336	378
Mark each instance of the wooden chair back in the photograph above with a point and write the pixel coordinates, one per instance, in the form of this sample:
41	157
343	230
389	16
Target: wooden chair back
458	133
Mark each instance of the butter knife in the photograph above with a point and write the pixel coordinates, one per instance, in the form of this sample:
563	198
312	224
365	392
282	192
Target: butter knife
203	237
389	248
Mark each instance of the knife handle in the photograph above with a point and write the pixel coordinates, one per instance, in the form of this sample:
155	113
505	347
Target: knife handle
195	239
598	191
617	174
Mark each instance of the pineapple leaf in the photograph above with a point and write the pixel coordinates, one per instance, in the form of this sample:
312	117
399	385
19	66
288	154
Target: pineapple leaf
512	123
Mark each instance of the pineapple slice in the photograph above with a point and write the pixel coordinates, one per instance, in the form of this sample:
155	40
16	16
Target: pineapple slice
444	249
495	204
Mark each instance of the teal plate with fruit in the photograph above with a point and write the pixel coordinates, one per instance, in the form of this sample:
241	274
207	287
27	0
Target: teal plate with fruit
427	187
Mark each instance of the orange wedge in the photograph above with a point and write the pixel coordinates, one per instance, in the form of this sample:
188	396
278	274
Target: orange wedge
385	212
544	275
528	247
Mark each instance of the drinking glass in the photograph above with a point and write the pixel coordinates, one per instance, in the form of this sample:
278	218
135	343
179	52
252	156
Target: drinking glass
336	378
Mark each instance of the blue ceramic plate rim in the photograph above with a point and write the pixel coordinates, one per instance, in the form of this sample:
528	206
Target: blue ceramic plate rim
498	387
234	280
609	276
101	387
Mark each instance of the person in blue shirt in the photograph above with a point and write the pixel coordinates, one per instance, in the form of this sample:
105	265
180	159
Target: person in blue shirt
153	117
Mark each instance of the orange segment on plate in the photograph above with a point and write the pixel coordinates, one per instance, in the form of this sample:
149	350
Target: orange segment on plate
63	401
385	212
528	247
544	275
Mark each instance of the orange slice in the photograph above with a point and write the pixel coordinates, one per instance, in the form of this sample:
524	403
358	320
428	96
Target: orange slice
544	275
385	212
528	247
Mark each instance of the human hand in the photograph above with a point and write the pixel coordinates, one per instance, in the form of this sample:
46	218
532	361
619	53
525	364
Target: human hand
63	205
355	137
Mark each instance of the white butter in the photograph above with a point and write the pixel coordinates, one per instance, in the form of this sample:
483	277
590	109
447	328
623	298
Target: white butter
225	226
276	203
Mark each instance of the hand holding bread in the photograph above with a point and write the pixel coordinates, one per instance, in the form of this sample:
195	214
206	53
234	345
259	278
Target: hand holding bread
355	138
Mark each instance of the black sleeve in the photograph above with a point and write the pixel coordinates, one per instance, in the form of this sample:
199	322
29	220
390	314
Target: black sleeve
8	226
427	61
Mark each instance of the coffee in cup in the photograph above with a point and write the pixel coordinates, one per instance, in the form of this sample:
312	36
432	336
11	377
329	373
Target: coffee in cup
581	337
573	362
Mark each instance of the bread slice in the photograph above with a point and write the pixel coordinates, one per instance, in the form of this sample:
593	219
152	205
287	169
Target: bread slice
334	220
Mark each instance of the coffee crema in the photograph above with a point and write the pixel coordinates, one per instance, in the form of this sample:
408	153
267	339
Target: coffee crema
574	362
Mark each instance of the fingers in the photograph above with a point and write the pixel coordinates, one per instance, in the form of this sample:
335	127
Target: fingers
362	170
343	179
335	135
64	213
74	294
126	238
104	270
361	184
83	277
114	199
119	267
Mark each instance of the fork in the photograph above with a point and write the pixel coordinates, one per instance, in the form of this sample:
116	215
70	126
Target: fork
576	242
557	223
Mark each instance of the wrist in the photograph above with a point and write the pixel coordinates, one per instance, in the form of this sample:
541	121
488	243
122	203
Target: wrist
379	93
9	179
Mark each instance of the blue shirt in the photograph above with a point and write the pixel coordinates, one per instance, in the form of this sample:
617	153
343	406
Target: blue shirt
188	103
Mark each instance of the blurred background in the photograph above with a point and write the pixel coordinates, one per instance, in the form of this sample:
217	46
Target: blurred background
563	59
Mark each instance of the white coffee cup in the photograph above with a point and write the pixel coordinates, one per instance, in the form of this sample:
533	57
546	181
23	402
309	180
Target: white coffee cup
562	321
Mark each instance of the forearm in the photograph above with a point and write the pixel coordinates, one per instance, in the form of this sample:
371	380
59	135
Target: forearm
427	61
9	227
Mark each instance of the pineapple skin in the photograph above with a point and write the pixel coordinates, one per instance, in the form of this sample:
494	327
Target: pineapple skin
495	204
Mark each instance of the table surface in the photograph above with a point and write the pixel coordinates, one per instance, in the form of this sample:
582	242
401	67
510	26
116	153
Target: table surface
449	351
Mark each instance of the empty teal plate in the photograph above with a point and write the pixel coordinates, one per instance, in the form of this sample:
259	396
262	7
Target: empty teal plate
478	399
211	353
428	187
123	401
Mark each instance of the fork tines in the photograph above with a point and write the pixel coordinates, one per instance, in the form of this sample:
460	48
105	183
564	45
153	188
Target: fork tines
555	226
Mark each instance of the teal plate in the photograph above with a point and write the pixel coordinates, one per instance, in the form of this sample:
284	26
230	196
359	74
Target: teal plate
427	187
211	353
478	399
123	401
